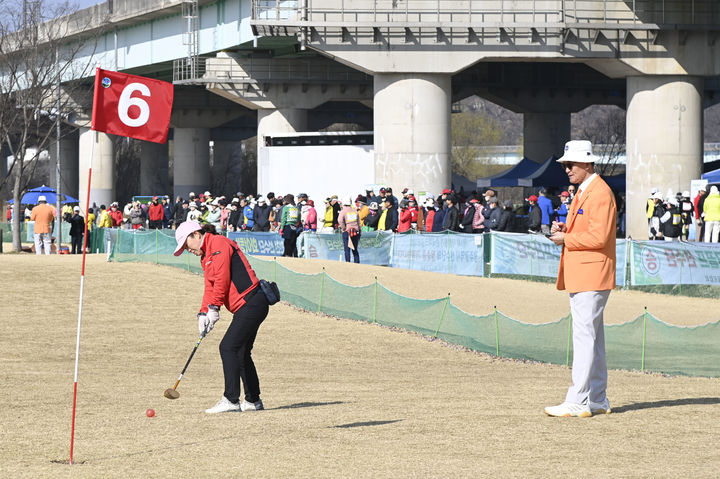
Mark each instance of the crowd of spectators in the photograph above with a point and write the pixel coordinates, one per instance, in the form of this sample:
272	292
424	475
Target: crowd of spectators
669	218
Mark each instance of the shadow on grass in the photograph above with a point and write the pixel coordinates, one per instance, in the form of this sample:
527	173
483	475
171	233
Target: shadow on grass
665	403
364	424
306	404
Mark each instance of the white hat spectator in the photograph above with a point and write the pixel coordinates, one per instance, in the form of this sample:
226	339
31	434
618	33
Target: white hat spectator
429	203
77	208
653	191
216	202
578	151
686	194
373	206
261	200
207	193
713	190
42	199
349	201
193	204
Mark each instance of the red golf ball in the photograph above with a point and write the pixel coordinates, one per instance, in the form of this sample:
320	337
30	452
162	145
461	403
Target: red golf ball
150	412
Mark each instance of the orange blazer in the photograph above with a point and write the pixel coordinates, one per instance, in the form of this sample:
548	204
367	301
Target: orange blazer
587	262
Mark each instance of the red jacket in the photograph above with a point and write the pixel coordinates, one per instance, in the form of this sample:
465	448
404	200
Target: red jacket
117	216
228	275
156	212
404	220
429	217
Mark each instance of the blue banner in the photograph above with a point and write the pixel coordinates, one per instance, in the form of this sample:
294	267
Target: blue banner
665	262
259	244
455	253
535	255
375	247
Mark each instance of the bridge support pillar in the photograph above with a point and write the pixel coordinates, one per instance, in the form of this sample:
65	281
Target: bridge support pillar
102	191
412	131
154	175
191	171
69	174
280	120
664	140
545	134
228	167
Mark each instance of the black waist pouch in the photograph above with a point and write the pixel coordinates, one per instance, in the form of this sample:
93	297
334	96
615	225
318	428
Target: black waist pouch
271	291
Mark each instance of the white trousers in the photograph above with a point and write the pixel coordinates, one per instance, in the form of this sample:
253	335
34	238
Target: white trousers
712	231
43	240
589	370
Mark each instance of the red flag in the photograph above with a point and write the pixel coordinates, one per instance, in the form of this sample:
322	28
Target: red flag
130	105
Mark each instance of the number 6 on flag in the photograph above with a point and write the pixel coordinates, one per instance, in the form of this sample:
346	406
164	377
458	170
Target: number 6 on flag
130	105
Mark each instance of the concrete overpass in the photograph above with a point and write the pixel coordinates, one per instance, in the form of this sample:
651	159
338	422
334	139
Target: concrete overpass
409	59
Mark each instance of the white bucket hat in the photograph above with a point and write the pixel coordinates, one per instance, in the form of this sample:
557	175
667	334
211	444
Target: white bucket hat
578	151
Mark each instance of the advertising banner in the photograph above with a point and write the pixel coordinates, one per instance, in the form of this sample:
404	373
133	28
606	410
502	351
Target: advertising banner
454	253
535	255
375	247
664	262
260	244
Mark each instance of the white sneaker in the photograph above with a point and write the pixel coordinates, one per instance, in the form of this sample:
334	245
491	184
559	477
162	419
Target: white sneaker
600	407
568	409
251	406
224	405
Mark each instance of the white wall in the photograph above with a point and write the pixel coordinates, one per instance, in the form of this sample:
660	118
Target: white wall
319	171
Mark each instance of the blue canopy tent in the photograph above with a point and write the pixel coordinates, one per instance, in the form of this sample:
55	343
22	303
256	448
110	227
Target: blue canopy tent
31	197
459	181
712	176
550	173
510	177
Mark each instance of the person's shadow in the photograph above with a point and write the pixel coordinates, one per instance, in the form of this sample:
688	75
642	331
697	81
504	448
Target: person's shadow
665	403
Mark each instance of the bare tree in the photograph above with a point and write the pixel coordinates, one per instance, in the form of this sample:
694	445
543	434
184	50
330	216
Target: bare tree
604	126
42	46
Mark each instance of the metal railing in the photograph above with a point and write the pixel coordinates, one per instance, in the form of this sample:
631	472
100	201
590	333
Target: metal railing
189	70
476	12
265	70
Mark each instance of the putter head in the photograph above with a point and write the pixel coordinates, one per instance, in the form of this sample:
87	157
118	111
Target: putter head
171	393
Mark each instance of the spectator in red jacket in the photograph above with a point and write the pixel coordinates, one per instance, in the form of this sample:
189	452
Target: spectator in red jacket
116	215
156	214
429	214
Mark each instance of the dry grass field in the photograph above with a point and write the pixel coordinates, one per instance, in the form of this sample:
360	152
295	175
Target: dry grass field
343	398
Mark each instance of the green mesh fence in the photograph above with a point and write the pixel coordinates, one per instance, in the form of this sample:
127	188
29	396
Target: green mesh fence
643	343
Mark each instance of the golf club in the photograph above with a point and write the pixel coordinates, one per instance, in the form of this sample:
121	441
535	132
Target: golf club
172	393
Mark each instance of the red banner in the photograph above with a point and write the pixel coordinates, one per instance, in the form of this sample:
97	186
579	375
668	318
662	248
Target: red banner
130	105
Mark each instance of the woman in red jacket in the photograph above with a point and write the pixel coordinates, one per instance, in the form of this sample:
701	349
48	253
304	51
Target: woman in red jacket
229	281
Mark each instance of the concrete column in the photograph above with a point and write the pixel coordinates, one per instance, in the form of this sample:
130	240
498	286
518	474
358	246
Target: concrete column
191	161
545	134
102	190
227	167
154	175
280	120
412	131
69	172
664	140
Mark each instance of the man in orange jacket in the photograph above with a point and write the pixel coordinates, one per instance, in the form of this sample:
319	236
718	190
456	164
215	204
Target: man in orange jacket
587	272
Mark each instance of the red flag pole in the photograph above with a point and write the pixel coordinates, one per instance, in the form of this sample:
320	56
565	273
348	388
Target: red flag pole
80	307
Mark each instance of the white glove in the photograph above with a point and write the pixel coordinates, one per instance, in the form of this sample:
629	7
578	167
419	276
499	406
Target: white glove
203	322
213	316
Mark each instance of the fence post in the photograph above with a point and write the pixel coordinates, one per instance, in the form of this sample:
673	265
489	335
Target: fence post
642	361
567	358
157	248
497	333
375	302
275	269
1	241
442	317
322	286
187	261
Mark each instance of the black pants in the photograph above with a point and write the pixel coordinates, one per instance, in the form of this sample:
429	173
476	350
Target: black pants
77	244
236	346
290	236
155	224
